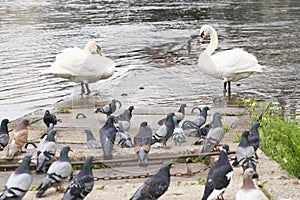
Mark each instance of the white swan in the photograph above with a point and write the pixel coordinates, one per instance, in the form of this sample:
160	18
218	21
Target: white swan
84	66
229	65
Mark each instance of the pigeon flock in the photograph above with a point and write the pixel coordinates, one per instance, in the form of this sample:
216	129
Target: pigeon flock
88	66
58	170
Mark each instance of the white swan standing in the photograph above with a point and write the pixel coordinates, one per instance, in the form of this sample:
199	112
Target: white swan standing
229	65
84	66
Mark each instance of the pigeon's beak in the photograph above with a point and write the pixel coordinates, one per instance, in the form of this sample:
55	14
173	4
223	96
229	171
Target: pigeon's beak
99	50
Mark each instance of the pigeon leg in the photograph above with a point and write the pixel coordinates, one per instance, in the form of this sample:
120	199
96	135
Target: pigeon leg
82	88
225	86
88	91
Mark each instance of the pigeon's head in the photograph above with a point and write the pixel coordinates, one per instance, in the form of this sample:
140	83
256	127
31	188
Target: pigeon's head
205	108
256	125
217	115
89	159
111	120
166	165
245	134
249	173
27	157
87	131
144	124
225	148
4	122
47	112
25	122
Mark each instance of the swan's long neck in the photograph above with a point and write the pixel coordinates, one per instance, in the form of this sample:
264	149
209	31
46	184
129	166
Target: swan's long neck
213	44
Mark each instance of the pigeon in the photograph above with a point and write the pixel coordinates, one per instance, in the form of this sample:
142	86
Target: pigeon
57	173
46	150
125	117
178	135
245	153
123	138
181	113
214	136
107	137
156	185
4	136
253	137
198	121
110	108
19	181
248	191
49	119
219	176
91	142
17	138
142	144
165	131
81	184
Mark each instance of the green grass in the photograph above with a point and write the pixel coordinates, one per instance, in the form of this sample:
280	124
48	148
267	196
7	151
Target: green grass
280	137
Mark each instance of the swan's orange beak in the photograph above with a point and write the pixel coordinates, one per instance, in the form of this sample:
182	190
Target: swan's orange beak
202	37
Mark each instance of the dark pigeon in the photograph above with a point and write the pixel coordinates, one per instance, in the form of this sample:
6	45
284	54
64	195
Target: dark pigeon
142	144
123	138
165	131
81	184
214	136
110	108
180	114
125	117
57	173
19	181
49	119
219	176
107	137
46	150
156	185
254	136
248	191
91	142
198	121
245	154
4	136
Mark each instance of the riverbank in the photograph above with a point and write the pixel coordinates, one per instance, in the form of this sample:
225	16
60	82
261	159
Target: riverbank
276	181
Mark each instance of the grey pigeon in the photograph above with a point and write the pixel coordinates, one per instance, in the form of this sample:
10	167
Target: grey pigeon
57	173
142	144
248	191
156	185
107	137
178	135
46	150
214	136
180	113
19	181
245	154
198	121
123	138
125	117
91	142
110	108
4	136
219	176
165	131
49	118
254	136
81	184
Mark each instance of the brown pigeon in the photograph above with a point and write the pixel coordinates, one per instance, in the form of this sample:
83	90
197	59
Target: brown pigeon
18	137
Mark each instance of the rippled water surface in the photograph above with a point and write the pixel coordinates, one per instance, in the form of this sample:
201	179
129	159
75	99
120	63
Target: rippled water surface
154	43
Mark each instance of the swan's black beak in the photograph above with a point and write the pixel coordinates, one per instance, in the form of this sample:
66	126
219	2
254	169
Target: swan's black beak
99	50
202	37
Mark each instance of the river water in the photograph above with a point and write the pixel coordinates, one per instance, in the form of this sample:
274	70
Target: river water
155	45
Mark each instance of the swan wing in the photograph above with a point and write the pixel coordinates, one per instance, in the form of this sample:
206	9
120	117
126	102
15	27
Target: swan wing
236	61
207	65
